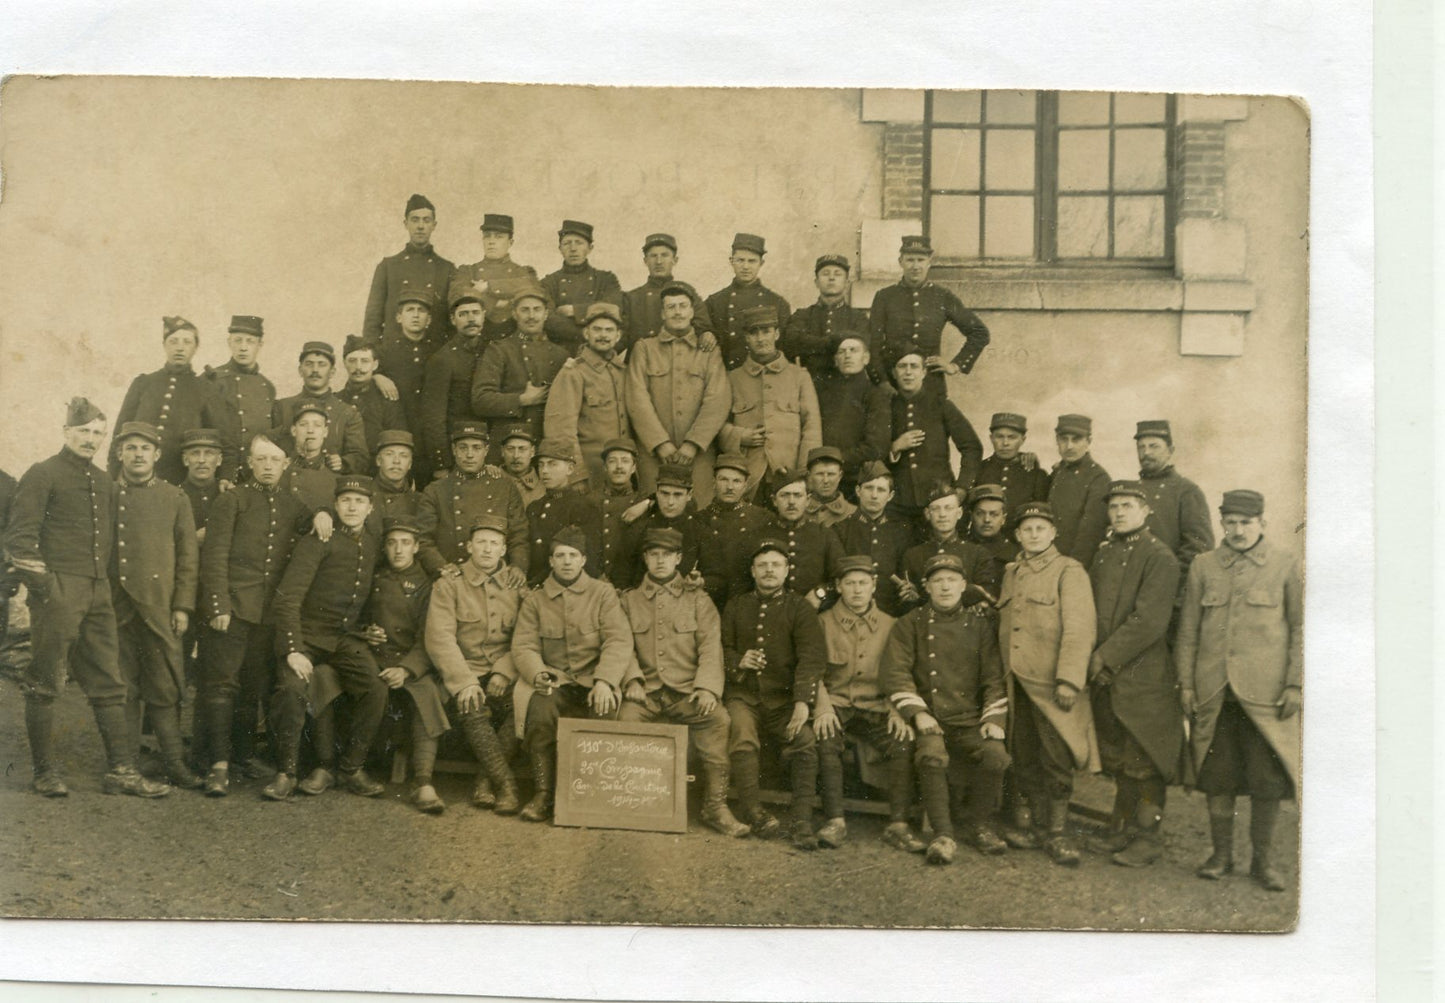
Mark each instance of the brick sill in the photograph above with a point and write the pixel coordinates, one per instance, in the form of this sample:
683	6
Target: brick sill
1103	290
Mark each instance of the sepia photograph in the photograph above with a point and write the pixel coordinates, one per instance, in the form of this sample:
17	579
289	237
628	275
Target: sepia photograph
501	503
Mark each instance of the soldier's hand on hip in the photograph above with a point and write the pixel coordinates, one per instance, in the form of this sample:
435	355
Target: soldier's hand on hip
393	675
602	699
386	386
510	577
1288	703
180	621
299	664
497	686
1064	696
706	701
798	721
470	698
826	725
221	623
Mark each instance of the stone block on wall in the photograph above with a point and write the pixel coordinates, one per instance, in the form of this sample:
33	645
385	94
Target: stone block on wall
1211	334
892	105
1210	249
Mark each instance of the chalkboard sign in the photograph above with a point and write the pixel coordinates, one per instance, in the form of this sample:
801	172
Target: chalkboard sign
615	775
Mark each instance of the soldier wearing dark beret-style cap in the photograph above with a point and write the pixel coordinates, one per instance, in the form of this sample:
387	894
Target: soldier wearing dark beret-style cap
61	540
814	550
416	266
987	521
1240	657
808	336
576	285
726	306
396	495
910	316
642	307
1178	514
1016	472
173	399
1076	490
246	397
201	455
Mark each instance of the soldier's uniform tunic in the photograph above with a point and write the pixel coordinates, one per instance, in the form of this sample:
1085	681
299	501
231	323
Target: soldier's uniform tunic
174	400
856	419
907	318
503	278
725	309
377	414
617	554
557	509
978	567
1077	493
1020	486
404	362
391	502
398	605
577	286
246	400
1179	518
587	407
529	485
778	395
469	628
813	554
631	563
447	397
917	470
412	269
808	334
829	513
449	508
677	393
502	374
642	310
885	539
345	431
728	534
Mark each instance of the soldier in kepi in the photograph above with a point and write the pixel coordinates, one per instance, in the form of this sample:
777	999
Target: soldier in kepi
1178	513
246	396
416	267
1240	653
726	307
496	278
677	648
642	307
577	285
809	338
60	539
345	443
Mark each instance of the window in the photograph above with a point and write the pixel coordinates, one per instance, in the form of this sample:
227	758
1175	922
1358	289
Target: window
1070	178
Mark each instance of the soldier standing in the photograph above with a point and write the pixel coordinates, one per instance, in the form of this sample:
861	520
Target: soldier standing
379	413
514	375
396	495
909	317
677	648
809	338
60	539
814	551
678	397
173	399
854	411
726	307
943	513
872	530
577	285
1132	685
154	569
587	405
1076	490
986	529
1016	473
345	444
1178	513
671	509
402	358
1241	668
447	386
826	504
622	506
416	268
561	507
730	527
642	307
496	278
246	397
519	462
923	423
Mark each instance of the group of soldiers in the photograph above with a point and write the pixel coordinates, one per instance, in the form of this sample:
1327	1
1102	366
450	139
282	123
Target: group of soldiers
545	498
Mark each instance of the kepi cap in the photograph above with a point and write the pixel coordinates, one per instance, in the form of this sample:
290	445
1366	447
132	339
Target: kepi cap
246	324
749	242
659	239
943	562
556	448
583	230
612	445
660	537
1242	501
1034	510
462	290
138	429
766	544
517	431
1157	428
400	524
674	475
423	296
758	316
310	407
469	430
532	291
821	454
608	310
1074	424
1133	488
986	492
395	437
731	461
1007	419
857	562
353	484
488	521
317	348
196	438
940	489
840	260
496	222
915	244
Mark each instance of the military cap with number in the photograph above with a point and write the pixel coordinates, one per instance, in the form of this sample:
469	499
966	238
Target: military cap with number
462	290
731	461
532	291
246	324
608	310
469	430
985	492
556	448
1242	501
943	562
758	316
766	544
138	430
511	432
612	445
1007	419
317	348
569	536
675	475
1133	488
353	484
872	470
170	325
659	240
840	260
356	343
857	562
418	201
196	438
423	296
400	524
496	222
1034	510
395	437
491	523
660	537
821	454
780	479
81	411
914	244
583	230
1074	424
939	489
310	407
749	242
1158	428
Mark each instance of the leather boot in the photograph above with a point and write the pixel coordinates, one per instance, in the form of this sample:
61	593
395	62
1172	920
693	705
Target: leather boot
1263	812
539	809
1221	836
1018	827
1122	826
508	801
39	724
167	724
1060	846
715	813
1148	844
496	788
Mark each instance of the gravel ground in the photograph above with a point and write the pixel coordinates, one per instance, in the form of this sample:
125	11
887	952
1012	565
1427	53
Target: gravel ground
341	857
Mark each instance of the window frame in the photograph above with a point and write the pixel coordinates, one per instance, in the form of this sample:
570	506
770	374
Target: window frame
1046	188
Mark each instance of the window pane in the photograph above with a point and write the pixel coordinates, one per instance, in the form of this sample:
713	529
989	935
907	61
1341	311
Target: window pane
1138	108
1008	227
954	159
1139	159
1011	107
953	225
1083	108
1139	227
1084	160
1083	227
1009	160
956	106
